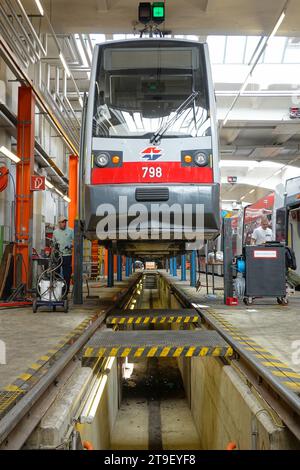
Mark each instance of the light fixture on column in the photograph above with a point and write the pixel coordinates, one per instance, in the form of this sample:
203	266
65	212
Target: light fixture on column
40	8
8	154
63	61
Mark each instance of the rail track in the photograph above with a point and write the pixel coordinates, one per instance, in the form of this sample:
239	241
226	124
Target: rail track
233	349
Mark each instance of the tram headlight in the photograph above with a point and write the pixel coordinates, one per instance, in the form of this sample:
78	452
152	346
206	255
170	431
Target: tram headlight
201	159
101	160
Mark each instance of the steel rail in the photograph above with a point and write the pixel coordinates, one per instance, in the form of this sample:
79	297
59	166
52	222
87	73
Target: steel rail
289	397
22	407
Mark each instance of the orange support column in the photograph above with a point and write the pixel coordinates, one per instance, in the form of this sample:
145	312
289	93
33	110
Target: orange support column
73	189
24	196
105	262
73	194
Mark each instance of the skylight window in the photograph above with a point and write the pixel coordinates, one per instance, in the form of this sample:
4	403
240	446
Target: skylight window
275	50
216	46
235	49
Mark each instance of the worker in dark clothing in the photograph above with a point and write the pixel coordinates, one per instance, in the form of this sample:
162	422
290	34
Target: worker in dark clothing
63	236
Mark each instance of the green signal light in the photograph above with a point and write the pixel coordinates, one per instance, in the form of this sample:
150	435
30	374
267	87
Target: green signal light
158	11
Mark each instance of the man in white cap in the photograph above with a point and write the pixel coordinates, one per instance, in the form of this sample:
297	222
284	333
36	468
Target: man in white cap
64	237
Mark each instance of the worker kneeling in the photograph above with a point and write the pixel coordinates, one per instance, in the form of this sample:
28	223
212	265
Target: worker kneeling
63	236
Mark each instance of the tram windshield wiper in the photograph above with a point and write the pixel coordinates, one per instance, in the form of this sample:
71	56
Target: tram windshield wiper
155	138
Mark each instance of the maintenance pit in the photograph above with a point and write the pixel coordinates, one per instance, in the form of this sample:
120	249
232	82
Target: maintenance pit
162	403
149	226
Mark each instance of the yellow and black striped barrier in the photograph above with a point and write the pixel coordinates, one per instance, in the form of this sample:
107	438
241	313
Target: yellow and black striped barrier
155	351
156	343
157	316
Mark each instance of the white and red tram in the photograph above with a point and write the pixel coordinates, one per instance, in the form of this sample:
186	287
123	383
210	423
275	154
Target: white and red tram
151	135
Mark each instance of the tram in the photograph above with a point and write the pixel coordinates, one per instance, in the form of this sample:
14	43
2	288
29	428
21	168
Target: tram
151	140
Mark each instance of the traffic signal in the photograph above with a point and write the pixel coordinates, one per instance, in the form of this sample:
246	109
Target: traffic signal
145	13
158	12
151	12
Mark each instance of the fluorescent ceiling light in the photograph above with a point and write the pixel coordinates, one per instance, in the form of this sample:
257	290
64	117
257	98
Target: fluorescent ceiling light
49	184
226	119
40	8
59	192
80	101
63	61
245	84
7	153
242	198
252	191
277	26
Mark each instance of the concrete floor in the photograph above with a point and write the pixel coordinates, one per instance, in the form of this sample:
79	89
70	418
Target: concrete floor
272	326
28	335
154	413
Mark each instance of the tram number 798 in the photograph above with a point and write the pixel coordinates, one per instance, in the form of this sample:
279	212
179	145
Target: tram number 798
152	171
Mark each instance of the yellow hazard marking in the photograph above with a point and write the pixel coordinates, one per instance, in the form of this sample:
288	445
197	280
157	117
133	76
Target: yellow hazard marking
25	376
256	349
101	352
113	321
139	352
292	385
186	320
35	366
279	373
44	358
203	351
122	320
195	319
190	352
171	319
152	352
265	356
178	352
130	320
146	319
250	343
165	351
114	352
138	320
163	319
125	352
12	388
88	352
275	364
216	351
178	319
229	352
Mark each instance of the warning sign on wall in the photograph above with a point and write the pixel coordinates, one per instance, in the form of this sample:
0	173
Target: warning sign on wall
37	183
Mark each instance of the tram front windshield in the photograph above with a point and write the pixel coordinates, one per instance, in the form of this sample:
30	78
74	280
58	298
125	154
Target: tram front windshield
139	89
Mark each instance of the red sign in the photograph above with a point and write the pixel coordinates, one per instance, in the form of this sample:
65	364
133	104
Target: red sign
37	183
232	179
